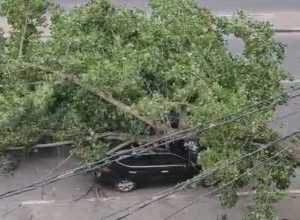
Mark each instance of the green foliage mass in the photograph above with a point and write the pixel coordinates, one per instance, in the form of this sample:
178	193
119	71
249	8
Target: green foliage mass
176	60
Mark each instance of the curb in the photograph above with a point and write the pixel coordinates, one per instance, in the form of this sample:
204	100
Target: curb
290	193
292	30
284	22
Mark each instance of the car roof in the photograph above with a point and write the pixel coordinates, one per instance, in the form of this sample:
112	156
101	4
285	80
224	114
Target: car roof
132	144
150	153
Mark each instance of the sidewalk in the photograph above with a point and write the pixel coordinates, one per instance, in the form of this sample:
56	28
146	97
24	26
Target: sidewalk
282	21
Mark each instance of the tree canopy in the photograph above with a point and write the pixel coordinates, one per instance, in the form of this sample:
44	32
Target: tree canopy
107	69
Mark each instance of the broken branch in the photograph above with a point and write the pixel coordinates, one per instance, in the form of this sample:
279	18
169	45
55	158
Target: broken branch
106	96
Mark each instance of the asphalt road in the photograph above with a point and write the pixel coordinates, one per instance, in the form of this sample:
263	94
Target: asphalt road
292	40
215	5
74	199
292	60
292	50
56	202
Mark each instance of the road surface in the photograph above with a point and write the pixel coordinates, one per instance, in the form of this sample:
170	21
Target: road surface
287	119
56	202
255	6
73	199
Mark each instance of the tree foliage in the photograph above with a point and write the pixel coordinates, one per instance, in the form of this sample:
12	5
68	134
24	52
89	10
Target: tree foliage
106	69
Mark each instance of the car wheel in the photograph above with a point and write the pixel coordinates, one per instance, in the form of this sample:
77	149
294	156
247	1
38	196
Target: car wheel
97	175
125	185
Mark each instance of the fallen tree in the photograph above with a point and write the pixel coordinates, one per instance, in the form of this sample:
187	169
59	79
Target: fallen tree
108	71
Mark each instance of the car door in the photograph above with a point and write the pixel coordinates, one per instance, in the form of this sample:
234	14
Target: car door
173	166
141	168
159	166
155	167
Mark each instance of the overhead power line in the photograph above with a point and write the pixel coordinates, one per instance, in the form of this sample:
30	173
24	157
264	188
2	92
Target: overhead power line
248	172
179	187
154	144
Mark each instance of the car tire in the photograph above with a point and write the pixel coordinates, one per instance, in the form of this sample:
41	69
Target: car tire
125	185
97	175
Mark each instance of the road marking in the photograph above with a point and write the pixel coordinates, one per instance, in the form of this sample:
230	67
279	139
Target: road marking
291	82
284	22
103	199
264	16
92	199
291	193
37	202
50	202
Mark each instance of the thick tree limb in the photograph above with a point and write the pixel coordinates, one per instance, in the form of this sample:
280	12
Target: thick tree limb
119	136
106	96
119	147
23	38
39	146
294	147
294	152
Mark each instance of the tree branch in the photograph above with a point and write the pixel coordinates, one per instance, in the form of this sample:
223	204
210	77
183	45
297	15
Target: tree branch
23	38
106	96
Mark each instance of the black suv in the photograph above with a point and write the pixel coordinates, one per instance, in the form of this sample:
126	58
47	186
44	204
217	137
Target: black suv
172	164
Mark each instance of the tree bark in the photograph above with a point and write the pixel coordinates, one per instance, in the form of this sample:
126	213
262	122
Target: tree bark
106	96
23	39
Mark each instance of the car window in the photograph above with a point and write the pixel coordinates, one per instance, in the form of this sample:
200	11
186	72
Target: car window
153	160
138	160
168	159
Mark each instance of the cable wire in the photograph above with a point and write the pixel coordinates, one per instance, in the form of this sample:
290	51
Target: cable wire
140	149
261	163
181	186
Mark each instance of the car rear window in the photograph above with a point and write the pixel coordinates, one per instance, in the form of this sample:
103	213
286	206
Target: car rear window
153	160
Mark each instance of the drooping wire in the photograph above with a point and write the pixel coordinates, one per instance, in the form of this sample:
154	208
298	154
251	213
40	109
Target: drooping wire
248	172
179	187
143	148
